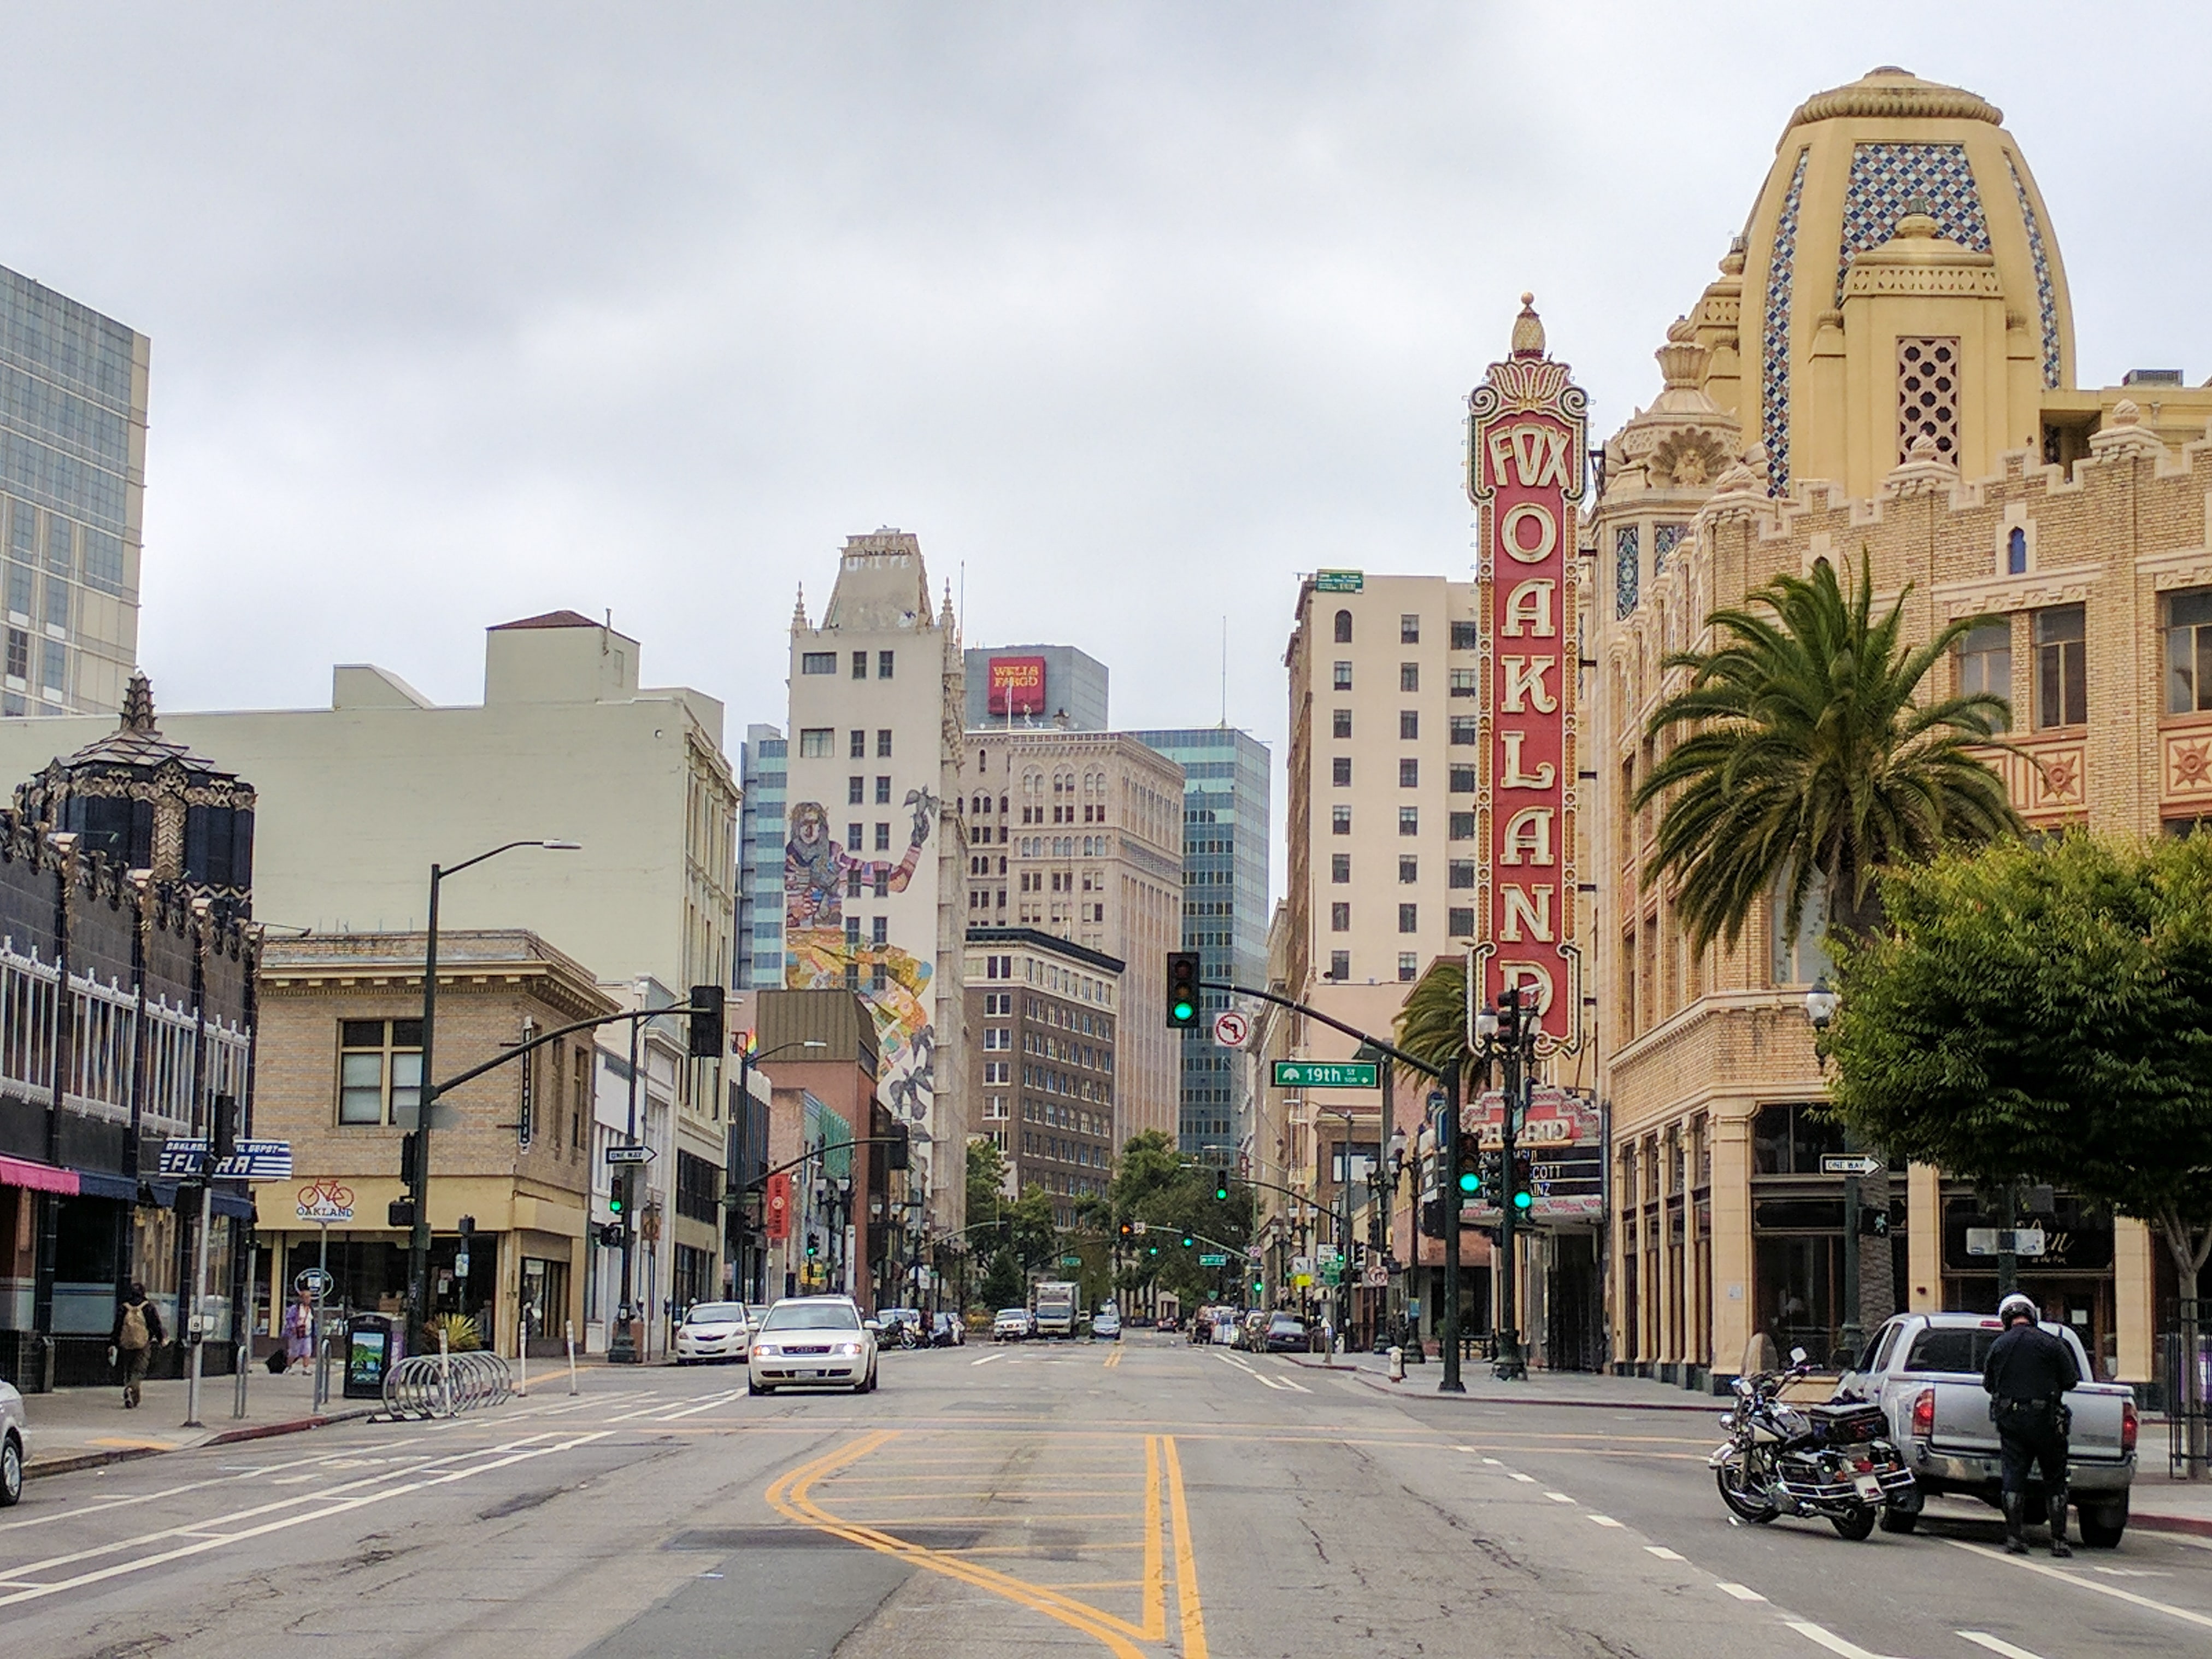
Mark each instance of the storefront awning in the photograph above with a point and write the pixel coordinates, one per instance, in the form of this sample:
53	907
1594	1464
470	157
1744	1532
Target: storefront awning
93	1184
38	1178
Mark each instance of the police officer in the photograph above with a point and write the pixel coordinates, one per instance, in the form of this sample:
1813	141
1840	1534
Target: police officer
2028	1373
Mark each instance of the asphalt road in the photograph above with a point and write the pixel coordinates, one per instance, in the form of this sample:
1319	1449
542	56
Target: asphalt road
1134	1499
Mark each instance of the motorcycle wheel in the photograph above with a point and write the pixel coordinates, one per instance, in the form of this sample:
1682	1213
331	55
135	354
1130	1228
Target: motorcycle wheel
1734	1478
1856	1523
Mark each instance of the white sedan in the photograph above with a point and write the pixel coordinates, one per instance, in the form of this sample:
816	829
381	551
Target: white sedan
812	1341
14	1433
711	1331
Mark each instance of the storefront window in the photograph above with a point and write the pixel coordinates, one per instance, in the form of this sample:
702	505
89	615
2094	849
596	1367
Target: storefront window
1789	1139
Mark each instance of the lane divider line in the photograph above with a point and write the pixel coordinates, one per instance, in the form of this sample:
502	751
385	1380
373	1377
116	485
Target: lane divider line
1829	1640
1605	1520
2112	1591
1186	1602
1664	1552
1997	1645
1741	1592
1559	1498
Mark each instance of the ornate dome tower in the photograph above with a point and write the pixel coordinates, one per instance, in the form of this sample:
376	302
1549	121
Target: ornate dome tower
1899	277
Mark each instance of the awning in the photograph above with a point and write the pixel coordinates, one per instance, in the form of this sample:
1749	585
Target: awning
38	1178
94	1183
238	1205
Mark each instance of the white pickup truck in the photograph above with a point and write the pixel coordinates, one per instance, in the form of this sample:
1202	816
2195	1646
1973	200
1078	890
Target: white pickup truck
1926	1371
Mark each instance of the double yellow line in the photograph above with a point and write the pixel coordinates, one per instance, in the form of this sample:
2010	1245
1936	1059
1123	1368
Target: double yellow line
792	1496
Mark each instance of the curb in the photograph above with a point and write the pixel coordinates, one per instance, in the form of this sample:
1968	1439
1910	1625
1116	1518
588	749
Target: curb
1382	1386
2200	1526
81	1461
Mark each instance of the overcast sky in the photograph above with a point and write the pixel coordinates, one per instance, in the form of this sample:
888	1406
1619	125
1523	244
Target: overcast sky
1132	311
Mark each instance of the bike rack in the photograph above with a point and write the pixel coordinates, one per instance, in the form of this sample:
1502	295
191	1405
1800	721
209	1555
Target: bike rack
444	1385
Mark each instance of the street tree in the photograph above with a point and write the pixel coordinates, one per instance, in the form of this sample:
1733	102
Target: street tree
986	1200
2045	1014
1799	760
1003	1286
1031	1232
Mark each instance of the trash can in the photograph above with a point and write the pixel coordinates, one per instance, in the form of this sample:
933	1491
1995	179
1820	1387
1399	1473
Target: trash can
370	1351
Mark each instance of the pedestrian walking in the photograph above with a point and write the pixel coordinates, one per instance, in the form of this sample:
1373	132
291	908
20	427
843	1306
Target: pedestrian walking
299	1331
137	1332
2027	1375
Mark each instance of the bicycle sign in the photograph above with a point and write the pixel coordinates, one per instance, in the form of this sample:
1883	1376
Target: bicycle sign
325	1201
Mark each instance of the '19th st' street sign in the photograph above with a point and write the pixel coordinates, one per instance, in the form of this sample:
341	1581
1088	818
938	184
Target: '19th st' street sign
1327	1074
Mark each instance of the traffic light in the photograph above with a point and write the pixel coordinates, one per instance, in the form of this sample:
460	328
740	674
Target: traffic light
896	1156
706	1022
1188	1239
610	1234
411	1159
1128	1230
1221	1188
226	1131
466	1226
1525	1182
617	1199
813	1245
1182	988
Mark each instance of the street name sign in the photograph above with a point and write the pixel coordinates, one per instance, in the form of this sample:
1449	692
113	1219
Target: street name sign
1231	1028
630	1154
1327	1074
1339	581
1850	1163
1071	1261
1213	1260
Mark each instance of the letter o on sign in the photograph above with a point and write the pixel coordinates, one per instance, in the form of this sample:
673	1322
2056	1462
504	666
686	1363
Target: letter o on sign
1547	533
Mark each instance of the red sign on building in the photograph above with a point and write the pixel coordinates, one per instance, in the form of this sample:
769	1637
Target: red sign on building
1526	462
1016	685
776	1206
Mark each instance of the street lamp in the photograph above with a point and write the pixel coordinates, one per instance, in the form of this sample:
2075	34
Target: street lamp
1822	1003
418	1243
1508	1034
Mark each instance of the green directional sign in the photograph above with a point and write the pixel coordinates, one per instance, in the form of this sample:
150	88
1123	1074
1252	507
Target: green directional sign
1213	1260
1339	581
1327	1074
1071	1261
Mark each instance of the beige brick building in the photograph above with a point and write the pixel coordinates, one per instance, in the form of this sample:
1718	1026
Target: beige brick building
1884	367
338	1071
1079	835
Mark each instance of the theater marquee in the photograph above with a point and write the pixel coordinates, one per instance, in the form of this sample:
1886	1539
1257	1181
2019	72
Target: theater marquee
1526	460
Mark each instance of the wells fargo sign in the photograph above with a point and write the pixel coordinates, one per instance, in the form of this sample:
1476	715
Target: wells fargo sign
1526	460
1016	685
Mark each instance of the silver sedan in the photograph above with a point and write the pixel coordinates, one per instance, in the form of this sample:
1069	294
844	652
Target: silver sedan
812	1341
15	1442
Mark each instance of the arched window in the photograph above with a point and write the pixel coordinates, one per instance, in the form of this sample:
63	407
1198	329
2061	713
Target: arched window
2017	552
1344	628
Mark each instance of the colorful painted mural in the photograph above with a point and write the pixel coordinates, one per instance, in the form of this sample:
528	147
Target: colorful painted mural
819	875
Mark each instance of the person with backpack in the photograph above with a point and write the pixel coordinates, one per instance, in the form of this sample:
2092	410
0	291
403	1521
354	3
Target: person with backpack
138	1330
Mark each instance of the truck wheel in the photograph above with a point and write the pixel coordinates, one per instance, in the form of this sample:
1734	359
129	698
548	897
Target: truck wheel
2101	1527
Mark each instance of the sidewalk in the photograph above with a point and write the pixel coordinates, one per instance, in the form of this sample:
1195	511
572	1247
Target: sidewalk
78	1428
2157	1503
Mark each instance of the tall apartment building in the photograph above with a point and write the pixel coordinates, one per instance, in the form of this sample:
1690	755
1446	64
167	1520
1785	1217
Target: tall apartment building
1079	834
763	771
1024	687
874	884
1044	1012
73	475
1226	831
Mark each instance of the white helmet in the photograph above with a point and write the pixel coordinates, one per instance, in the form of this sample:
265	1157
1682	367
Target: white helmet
2016	1306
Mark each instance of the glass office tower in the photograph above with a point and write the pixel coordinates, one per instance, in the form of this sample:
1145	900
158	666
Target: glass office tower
72	494
761	838
1225	914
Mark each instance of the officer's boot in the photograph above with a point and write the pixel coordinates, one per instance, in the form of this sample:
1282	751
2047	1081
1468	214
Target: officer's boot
2015	1511
2059	1547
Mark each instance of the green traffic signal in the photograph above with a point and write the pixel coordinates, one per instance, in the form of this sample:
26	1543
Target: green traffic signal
1188	1241
1470	1182
1524	1199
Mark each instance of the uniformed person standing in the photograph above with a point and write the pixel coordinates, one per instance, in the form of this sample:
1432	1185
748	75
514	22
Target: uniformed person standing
2028	1373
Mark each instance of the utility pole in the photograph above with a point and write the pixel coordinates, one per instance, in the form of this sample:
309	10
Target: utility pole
1517	1027
1454	1153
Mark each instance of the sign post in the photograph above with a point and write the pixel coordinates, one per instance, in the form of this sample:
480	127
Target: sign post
323	1203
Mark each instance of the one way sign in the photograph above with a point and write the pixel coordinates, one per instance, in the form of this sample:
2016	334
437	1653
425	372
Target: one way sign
630	1154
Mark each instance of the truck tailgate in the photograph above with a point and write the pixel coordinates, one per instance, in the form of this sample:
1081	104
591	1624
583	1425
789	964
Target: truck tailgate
1963	1424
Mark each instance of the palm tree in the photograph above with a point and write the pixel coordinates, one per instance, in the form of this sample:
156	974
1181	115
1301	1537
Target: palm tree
1807	760
1432	1025
1810	762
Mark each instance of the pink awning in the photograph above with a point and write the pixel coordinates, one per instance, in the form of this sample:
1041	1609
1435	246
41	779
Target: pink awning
38	1177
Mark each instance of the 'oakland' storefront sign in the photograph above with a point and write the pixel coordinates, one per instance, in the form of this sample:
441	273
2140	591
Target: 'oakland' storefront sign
1526	468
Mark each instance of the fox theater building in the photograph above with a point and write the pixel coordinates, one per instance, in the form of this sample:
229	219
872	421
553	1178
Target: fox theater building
1883	368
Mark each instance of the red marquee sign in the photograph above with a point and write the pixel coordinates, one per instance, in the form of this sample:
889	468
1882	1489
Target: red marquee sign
1526	470
1016	685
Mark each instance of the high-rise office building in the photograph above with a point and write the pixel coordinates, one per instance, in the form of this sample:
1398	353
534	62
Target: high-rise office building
874	886
763	772
1225	914
1028	687
73	477
1077	835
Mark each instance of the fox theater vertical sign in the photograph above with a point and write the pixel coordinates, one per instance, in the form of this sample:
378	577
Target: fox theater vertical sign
1525	472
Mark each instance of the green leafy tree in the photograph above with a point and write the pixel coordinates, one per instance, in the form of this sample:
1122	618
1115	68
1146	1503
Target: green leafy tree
1432	1025
1031	1232
987	1201
1805	761
2045	1014
1003	1286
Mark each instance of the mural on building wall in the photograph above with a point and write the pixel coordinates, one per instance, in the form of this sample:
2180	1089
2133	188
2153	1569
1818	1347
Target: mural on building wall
819	875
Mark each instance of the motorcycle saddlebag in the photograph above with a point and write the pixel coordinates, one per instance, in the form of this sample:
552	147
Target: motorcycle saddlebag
1847	1422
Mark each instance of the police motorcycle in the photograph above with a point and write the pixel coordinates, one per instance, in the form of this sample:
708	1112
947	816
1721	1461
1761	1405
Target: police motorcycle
1833	1460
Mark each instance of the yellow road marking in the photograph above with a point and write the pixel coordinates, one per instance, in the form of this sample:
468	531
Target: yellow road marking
1156	1618
790	1495
1193	1620
1115	1357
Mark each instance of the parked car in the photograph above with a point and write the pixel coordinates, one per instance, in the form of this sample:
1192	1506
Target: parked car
14	1444
1252	1331
1925	1370
1224	1334
812	1341
946	1331
713	1332
1285	1334
1106	1324
1012	1325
